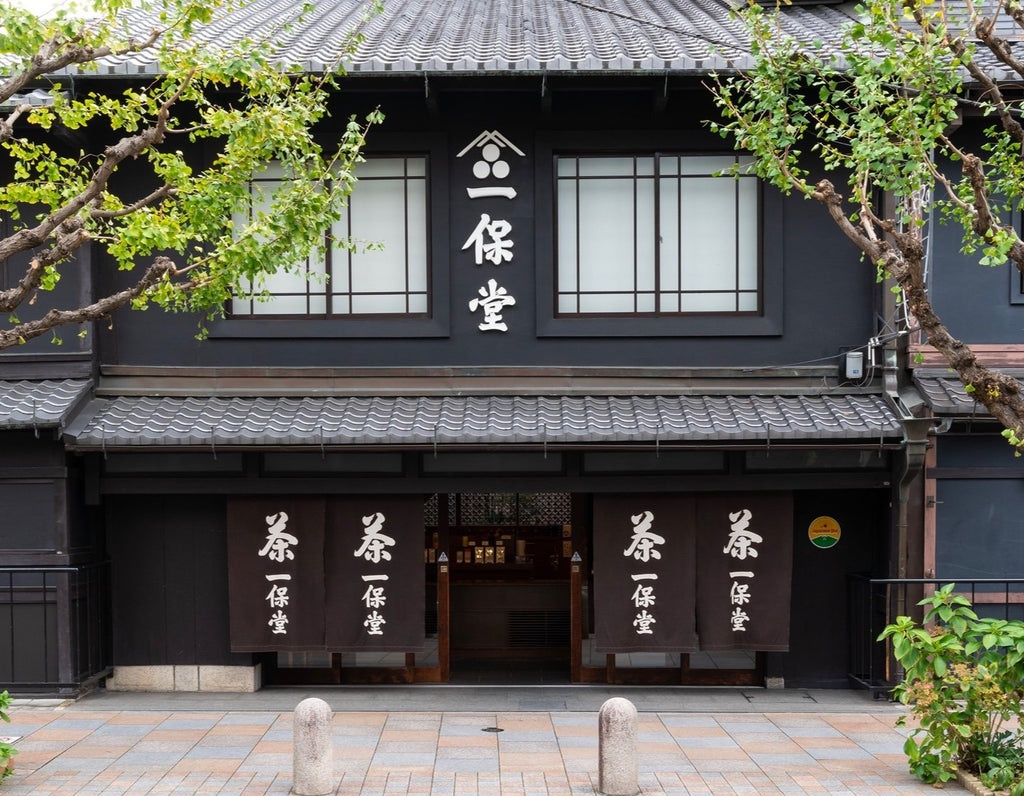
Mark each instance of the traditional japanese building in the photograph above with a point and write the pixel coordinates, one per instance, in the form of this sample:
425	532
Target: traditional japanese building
593	414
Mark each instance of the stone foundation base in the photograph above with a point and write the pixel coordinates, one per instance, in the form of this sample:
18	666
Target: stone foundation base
774	682
236	679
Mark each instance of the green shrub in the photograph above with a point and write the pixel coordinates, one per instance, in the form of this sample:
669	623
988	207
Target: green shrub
964	680
6	750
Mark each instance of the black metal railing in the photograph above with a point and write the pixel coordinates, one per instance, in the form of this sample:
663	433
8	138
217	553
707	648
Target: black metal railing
54	627
876	602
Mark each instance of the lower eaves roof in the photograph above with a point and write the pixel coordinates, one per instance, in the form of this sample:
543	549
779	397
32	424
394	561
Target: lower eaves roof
39	404
946	396
145	422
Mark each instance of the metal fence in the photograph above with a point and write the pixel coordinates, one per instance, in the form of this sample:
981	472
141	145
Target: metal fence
876	602
54	627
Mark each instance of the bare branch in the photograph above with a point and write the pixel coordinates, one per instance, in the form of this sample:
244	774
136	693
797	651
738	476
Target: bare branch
69	237
59	53
826	193
7	125
163	192
999	46
984	223
944	181
161	268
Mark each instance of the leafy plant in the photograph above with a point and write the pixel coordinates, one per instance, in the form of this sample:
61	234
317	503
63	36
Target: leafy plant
6	750
964	681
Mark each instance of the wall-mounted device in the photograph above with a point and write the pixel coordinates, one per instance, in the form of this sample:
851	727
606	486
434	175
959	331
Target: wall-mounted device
854	365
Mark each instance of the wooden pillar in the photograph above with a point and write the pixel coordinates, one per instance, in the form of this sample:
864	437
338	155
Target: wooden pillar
576	618
443	618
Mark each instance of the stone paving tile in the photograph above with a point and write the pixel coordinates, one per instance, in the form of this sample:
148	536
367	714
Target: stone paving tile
481	741
813	732
464	730
713	742
447	754
406	747
389	735
578	741
444	765
689	720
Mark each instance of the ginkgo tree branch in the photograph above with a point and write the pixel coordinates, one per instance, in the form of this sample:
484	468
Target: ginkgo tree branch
68	238
161	268
59	53
238	102
7	124
987	84
902	259
127	147
882	118
155	197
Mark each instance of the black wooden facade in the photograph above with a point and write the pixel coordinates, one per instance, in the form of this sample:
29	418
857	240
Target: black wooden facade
752	401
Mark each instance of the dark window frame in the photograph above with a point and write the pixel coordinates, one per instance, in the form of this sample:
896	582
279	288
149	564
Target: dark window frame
338	261
767	322
436	323
662	268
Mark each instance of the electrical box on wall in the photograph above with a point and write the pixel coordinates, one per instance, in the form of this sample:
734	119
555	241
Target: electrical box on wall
854	365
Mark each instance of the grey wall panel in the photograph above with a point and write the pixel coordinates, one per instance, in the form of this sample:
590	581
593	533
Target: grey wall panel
29	515
979	529
985	450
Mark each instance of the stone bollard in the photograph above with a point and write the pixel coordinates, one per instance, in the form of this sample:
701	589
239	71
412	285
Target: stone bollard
312	760
617	755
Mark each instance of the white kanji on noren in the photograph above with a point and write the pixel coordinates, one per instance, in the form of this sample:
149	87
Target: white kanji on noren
374	596
375	543
373	624
279	543
741	539
277	596
643	623
643	545
643	597
278	622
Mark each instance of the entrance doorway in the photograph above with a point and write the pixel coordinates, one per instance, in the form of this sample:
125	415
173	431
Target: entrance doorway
509	557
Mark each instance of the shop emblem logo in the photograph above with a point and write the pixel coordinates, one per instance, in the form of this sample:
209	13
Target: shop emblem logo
824	532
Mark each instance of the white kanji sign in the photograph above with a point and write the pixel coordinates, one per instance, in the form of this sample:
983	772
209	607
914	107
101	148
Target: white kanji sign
489	242
492	301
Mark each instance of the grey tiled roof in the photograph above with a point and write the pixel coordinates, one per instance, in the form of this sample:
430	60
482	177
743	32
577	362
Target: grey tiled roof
487	36
39	404
205	421
37	98
507	35
946	396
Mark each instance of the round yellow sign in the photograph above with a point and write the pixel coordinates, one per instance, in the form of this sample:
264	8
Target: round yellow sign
824	532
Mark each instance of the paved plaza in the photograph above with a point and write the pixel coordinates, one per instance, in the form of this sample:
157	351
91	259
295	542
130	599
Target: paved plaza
443	740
